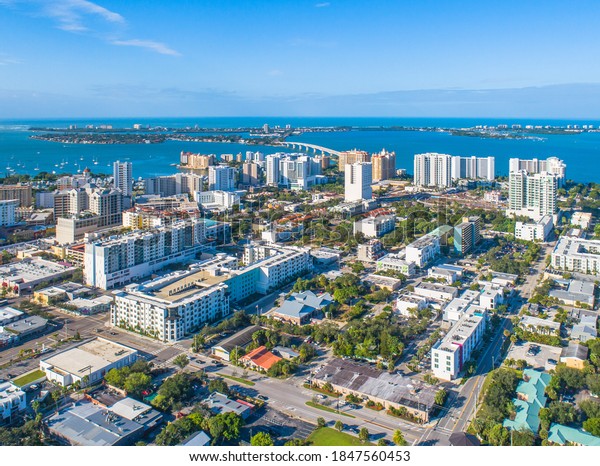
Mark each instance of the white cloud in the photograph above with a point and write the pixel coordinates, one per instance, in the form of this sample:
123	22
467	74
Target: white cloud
157	47
322	5
88	18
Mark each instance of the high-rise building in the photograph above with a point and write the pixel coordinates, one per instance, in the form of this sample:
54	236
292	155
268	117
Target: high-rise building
467	235
357	181
7	212
433	170
473	168
532	195
172	185
552	165
22	193
123	177
196	161
352	156
250	174
384	165
221	178
273	169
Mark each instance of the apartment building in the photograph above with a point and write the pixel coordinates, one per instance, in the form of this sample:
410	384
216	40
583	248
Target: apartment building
532	195
375	227
423	250
534	231
432	170
357	181
552	165
352	156
22	193
384	165
473	168
577	255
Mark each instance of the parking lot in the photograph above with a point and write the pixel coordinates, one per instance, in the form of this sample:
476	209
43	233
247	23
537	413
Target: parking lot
280	426
546	357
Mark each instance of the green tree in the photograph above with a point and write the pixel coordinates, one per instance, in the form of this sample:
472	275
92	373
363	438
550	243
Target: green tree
181	361
592	426
523	438
198	343
498	435
261	439
117	377
137	382
382	442
321	422
218	385
440	397
339	426
399	439
363	435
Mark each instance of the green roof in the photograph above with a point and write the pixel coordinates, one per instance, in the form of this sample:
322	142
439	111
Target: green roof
562	434
531	399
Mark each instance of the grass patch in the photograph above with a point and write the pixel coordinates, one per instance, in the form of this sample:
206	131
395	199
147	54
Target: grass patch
328	437
314	388
29	378
327	408
237	379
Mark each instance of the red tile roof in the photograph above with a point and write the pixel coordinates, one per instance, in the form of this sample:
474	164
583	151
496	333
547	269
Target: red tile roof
262	357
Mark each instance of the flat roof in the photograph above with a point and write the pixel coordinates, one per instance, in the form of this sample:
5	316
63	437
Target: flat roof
537	322
436	287
89	357
7	313
241	338
28	324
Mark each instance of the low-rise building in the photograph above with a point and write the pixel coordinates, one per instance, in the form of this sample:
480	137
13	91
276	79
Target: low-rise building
563	435
9	315
491	297
534	231
451	353
423	250
12	401
219	403
409	301
90	360
370	251
300	308
397	263
578	293
581	219
25	275
448	273
436	291
574	355
325	256
375	227
260	359
239	339
382	282
531	398
586	329
27	327
577	255
540	326
391	390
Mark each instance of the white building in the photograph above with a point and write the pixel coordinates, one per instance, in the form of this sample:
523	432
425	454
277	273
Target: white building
273	172
221	178
217	200
123	177
436	291
449	355
534	231
357	181
423	250
91	360
12	400
7	212
448	273
433	170
532	195
375	227
409	301
119	260
370	251
581	219
473	168
552	165
396	262
577	255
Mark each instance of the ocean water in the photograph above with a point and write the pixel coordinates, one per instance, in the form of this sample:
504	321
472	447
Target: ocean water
581	152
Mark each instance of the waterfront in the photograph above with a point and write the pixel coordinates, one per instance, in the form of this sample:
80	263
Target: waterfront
24	155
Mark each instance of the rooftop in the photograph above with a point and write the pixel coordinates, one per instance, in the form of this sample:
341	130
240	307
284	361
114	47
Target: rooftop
242	338
531	399
9	313
562	434
88	357
575	350
262	357
27	325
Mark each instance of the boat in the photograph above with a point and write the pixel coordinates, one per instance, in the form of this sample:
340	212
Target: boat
37	167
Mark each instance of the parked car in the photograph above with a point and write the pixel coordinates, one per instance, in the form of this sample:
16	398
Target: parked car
262	397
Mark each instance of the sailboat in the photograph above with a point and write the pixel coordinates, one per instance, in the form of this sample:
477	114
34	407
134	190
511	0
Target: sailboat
37	167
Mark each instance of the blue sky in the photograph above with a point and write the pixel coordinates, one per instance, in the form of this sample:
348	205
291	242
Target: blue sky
225	57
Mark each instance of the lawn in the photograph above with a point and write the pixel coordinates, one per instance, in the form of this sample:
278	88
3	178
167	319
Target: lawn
328	437
327	408
237	379
28	378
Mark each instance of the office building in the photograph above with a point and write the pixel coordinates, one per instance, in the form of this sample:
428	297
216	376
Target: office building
449	355
577	255
473	168
88	362
8	212
375	227
432	170
357	181
384	165
534	231
221	178
552	165
423	250
123	177
532	195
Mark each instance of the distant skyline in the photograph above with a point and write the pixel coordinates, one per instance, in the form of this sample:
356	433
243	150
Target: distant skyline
78	58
